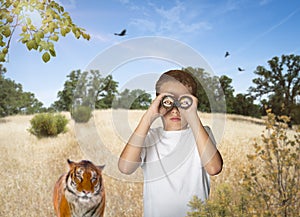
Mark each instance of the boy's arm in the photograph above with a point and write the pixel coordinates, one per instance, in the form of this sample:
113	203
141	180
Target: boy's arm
130	158
208	152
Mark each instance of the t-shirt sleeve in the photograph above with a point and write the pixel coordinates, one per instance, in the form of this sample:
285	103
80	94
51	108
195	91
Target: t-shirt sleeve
150	139
144	149
143	156
210	134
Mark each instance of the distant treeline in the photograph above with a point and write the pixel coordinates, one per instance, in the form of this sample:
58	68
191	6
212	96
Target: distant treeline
277	87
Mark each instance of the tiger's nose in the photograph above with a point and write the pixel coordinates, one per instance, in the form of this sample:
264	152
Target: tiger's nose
86	191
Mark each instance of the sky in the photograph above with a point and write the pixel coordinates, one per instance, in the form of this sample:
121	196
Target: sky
252	31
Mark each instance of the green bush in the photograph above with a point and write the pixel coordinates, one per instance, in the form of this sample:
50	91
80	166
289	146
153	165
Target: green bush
48	124
82	114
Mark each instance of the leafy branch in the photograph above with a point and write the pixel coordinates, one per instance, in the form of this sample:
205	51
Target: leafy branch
53	23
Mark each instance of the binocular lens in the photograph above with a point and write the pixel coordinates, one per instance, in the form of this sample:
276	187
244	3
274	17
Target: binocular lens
184	102
168	101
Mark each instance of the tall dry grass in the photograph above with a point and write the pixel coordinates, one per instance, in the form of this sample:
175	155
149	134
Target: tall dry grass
30	166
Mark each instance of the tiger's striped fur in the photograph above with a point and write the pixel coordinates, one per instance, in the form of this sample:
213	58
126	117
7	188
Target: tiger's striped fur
80	192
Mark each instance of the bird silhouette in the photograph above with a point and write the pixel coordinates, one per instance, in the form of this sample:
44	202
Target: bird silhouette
227	54
240	69
121	33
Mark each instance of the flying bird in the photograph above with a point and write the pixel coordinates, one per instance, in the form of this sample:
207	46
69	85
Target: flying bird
121	33
227	54
240	69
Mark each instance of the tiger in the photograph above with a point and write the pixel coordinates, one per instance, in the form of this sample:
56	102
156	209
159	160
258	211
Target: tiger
80	192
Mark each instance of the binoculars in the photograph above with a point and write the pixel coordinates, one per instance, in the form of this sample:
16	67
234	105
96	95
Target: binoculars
184	102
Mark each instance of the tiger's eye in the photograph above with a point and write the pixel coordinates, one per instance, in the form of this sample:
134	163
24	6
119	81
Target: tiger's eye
168	101
94	179
185	102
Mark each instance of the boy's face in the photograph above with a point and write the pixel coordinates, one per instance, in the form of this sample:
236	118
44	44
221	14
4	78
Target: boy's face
172	119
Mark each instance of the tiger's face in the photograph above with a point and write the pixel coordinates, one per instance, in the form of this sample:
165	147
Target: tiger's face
84	181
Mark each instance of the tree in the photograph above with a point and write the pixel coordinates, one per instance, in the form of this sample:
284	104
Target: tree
88	89
106	93
243	104
210	92
228	92
66	95
123	100
54	22
30	104
133	99
13	100
142	100
280	83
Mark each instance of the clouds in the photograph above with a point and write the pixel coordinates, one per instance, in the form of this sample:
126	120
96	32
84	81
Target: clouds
173	19
68	4
144	25
177	18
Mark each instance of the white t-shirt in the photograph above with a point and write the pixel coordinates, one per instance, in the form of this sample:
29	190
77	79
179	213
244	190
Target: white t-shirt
173	172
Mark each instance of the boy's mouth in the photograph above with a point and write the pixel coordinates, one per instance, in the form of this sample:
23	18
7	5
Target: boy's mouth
175	119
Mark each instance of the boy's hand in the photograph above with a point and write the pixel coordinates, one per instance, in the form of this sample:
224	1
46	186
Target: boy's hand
190	113
156	110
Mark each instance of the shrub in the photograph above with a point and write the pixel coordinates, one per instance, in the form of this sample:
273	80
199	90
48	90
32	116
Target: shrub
268	184
228	201
82	114
48	124
273	183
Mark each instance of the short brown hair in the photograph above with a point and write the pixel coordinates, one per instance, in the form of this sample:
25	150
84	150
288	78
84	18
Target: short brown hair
184	77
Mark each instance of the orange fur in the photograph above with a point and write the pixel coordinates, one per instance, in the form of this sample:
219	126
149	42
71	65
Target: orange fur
80	192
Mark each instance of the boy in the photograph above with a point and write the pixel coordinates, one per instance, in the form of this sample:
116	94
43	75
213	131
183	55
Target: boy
178	158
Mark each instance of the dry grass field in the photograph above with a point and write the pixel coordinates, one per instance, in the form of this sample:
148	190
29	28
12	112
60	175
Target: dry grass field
30	166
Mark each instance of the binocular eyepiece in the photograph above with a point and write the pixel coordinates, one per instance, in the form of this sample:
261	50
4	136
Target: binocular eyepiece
183	102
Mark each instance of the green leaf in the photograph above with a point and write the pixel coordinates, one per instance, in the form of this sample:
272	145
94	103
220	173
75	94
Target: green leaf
44	45
5	50
2	57
37	38
28	20
77	34
24	28
6	32
25	38
10	19
46	57
54	38
63	32
86	36
52	52
30	44
68	30
41	6
41	34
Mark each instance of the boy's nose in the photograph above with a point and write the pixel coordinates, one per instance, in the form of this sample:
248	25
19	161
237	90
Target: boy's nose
175	110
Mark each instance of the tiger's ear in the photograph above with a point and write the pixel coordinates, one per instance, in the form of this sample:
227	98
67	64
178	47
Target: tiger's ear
71	163
101	167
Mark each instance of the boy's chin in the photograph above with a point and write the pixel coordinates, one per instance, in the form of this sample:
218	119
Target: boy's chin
175	127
